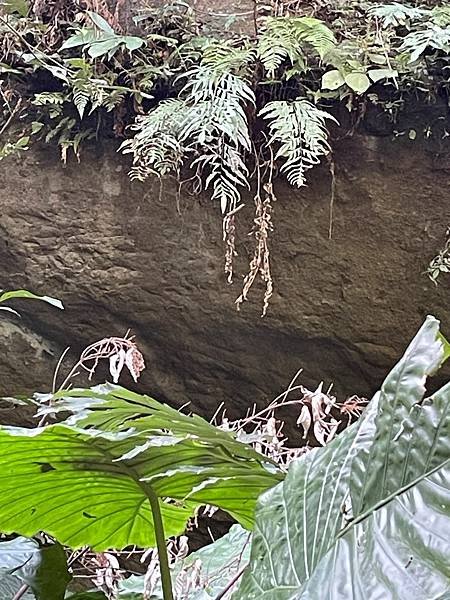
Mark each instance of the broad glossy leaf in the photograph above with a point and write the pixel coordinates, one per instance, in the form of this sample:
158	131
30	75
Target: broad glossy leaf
102	47
215	465
90	487
332	80
132	42
358	82
378	74
71	486
83	37
43	569
387	461
400	551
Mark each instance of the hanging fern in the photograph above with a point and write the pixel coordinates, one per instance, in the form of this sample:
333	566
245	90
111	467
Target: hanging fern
290	38
299	129
156	146
416	43
226	57
217	129
208	123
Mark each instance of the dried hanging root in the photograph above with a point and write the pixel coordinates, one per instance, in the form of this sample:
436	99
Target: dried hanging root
229	238
260	263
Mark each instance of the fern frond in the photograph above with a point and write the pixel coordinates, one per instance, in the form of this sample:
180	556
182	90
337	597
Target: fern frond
227	172
216	129
81	96
289	37
396	14
299	130
440	15
417	42
156	147
109	101
52	98
227	58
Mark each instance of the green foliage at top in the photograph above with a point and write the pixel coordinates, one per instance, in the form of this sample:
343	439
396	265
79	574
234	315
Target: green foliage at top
101	39
193	93
221	105
289	39
367	516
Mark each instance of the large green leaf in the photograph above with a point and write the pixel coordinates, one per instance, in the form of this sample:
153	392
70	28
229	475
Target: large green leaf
372	509
401	551
92	487
42	568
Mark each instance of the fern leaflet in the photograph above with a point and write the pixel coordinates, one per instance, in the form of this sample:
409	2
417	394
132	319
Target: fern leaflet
286	38
217	127
299	129
156	147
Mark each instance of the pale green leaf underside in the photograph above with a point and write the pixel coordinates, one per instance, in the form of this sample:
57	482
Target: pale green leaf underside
89	487
42	568
62	483
392	455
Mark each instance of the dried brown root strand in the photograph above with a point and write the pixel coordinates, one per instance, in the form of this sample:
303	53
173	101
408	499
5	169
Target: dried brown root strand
260	262
229	238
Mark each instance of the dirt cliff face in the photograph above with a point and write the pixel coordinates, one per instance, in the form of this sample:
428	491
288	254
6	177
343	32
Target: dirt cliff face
130	255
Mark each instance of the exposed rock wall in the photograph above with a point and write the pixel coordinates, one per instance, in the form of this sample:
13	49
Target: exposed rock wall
129	255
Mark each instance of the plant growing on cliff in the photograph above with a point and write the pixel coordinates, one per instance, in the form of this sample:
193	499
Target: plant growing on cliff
184	94
441	262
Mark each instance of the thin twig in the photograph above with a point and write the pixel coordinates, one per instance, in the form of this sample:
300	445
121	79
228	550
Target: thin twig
13	113
21	592
231	583
276	402
31	48
332	195
58	366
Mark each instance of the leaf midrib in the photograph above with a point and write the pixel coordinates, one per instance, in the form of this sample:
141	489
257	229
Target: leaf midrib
391	497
